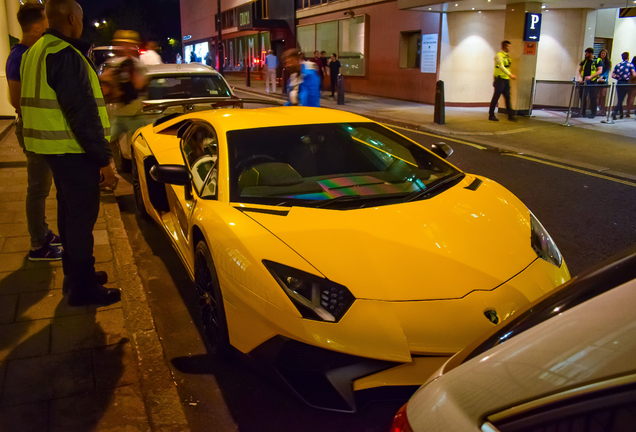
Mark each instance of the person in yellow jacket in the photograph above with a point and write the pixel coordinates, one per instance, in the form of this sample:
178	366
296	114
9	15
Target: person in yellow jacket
588	73
502	82
65	120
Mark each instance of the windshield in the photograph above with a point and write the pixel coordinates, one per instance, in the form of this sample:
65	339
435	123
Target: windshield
353	164
187	86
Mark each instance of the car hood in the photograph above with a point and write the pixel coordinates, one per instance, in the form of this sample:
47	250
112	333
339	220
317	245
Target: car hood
440	248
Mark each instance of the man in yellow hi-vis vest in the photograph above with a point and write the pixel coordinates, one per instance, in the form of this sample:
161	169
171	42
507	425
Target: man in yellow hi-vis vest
502	82
65	119
587	75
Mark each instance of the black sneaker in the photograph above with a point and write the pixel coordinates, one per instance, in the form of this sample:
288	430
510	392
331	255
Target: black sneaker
46	253
53	239
94	296
512	119
101	278
493	118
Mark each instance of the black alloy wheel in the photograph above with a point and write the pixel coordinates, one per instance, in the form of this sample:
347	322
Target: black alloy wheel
139	199
210	302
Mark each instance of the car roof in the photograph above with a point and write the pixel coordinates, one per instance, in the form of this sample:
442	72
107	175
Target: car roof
185	68
590	343
225	120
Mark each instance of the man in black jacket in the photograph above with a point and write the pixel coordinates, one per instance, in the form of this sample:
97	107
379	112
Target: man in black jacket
76	157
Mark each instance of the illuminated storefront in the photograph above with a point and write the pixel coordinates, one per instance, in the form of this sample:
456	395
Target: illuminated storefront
249	28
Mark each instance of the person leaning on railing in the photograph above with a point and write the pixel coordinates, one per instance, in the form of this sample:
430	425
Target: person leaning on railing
622	73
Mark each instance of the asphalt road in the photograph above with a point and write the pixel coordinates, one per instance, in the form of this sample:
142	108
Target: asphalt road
589	218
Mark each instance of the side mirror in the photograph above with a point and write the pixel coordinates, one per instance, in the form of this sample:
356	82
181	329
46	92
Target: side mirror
442	150
171	174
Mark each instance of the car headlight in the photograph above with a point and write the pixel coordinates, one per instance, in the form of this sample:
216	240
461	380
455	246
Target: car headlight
543	244
315	298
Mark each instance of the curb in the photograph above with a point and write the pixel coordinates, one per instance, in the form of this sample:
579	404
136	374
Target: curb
466	136
162	402
6	130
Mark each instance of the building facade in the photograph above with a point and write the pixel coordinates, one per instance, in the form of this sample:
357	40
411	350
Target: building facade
401	48
249	29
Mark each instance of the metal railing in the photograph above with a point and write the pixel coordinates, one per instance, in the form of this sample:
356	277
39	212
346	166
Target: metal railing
575	98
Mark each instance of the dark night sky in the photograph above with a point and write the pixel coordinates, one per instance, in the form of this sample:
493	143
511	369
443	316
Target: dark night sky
153	19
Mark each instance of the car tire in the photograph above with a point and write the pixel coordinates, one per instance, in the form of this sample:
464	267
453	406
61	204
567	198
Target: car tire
211	305
139	199
125	165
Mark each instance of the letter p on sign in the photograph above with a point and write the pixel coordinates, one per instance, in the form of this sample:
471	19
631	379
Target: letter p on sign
534	21
532	29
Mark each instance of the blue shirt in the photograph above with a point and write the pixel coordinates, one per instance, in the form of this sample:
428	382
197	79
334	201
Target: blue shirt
14	60
623	71
271	61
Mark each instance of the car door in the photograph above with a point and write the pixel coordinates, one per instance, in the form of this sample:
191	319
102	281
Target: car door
199	148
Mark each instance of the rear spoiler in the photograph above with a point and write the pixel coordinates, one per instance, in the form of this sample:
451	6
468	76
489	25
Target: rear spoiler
159	106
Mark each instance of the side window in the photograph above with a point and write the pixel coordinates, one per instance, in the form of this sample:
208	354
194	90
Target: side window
199	146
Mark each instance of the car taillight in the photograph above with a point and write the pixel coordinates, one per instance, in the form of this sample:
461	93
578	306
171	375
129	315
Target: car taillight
401	422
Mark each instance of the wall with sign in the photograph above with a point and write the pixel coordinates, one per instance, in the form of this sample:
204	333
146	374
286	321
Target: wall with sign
563	37
371	47
469	43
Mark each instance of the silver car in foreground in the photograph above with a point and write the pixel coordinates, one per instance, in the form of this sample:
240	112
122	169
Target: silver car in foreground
185	87
566	363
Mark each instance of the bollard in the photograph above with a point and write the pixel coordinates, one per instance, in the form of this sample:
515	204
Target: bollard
283	80
439	116
247	74
341	90
533	93
610	106
567	118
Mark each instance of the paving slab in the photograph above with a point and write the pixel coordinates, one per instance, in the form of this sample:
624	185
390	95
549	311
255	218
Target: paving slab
8	306
115	365
115	410
48	377
14	261
26	280
89	330
45	304
17	244
6	216
25	418
24	339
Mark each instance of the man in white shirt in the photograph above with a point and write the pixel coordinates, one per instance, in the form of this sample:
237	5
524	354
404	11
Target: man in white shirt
150	57
271	63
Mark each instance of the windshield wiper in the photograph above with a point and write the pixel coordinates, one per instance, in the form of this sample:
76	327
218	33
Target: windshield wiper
429	190
326	203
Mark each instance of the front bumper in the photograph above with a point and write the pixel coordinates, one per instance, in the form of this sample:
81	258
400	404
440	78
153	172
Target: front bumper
378	343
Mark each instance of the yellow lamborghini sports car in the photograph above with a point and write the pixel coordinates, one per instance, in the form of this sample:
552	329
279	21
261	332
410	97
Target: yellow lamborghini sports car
333	250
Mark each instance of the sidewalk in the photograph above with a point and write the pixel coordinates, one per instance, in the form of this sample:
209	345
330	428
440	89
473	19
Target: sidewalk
588	144
67	369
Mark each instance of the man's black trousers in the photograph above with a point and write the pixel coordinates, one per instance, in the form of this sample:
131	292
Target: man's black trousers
621	92
589	90
76	179
502	87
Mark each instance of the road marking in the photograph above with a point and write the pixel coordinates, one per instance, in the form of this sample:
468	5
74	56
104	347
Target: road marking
477	146
520	156
615	180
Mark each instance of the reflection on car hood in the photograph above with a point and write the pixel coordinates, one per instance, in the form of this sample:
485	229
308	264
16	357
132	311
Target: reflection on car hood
441	248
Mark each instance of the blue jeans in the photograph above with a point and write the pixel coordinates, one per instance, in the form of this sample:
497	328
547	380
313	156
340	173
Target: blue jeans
39	181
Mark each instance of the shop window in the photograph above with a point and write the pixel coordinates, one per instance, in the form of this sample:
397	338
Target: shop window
307	39
327	37
410	49
345	37
351	45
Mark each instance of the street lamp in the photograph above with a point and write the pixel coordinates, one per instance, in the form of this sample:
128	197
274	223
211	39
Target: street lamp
96	24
